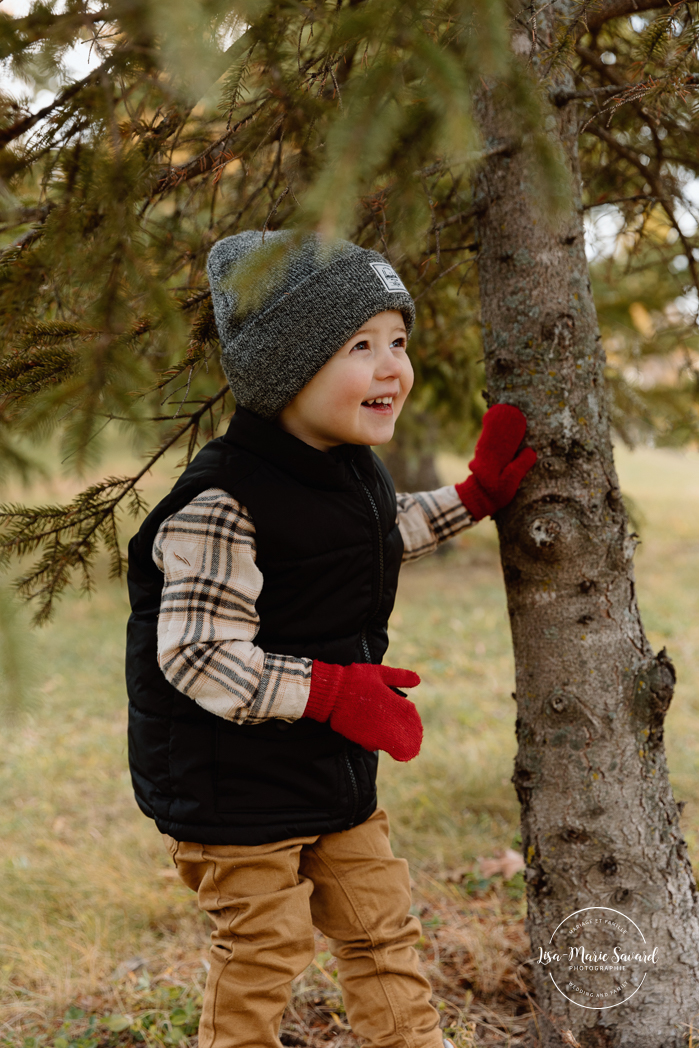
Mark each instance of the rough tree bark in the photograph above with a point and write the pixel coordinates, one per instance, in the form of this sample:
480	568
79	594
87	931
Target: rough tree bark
599	822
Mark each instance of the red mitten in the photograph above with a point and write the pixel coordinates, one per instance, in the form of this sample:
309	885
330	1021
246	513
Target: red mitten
495	472
360	704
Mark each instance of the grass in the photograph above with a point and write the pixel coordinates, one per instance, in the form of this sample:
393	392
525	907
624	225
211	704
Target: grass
99	942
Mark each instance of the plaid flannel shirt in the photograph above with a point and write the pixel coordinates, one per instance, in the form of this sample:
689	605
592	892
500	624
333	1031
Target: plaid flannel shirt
208	621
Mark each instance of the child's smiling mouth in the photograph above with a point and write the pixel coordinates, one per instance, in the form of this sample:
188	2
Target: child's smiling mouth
382	405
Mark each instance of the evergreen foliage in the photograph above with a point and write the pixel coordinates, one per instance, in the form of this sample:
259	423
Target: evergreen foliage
352	117
640	160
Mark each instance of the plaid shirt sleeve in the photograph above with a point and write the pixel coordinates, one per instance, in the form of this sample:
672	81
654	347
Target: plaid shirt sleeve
208	621
428	518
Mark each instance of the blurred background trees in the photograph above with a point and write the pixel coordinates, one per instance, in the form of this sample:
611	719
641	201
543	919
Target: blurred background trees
134	134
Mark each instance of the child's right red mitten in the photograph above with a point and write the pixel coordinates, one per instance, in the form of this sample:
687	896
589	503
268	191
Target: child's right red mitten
360	704
495	471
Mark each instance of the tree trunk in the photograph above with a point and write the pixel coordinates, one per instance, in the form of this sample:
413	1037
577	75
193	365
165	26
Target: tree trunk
599	822
410	456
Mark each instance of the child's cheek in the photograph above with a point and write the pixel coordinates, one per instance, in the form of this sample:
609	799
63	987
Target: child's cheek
407	376
355	387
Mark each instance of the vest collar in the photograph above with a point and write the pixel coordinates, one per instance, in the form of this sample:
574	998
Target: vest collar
331	470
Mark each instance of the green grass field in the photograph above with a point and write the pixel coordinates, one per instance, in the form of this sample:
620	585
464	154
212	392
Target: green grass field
93	920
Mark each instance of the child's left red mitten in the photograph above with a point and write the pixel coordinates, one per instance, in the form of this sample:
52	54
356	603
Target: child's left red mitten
495	471
361	703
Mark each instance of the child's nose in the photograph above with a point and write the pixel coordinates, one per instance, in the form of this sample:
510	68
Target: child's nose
388	365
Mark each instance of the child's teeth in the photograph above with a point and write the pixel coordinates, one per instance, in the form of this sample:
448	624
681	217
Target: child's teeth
370	401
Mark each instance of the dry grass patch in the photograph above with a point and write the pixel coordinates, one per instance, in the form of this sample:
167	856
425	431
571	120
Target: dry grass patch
474	951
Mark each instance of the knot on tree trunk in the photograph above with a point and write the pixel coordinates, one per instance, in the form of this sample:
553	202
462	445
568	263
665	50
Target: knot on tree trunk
653	691
553	528
544	531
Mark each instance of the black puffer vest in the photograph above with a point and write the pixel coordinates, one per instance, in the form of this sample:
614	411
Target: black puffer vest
329	551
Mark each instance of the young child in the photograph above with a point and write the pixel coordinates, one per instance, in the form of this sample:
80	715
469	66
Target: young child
261	588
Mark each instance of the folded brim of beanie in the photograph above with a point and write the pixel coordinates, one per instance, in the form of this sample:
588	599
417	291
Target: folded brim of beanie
274	353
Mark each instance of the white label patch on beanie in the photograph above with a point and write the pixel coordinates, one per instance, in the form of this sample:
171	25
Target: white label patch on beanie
388	276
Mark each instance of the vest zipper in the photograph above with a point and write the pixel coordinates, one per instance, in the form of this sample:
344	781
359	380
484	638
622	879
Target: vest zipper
366	651
379	536
355	790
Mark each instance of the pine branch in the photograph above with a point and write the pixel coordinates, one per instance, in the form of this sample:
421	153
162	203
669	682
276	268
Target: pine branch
603	12
23	374
13	252
22	215
460	217
206	160
611	201
656	183
68	537
20	127
624	92
42	23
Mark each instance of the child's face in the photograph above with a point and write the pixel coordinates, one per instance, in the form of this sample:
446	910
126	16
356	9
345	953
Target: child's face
334	408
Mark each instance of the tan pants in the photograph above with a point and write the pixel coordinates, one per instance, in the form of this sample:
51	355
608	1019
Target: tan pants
264	900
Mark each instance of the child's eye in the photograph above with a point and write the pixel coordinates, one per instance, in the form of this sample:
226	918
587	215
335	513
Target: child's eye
398	343
359	345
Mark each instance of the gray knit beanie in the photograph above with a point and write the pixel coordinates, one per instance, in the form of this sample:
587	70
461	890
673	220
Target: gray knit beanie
308	301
